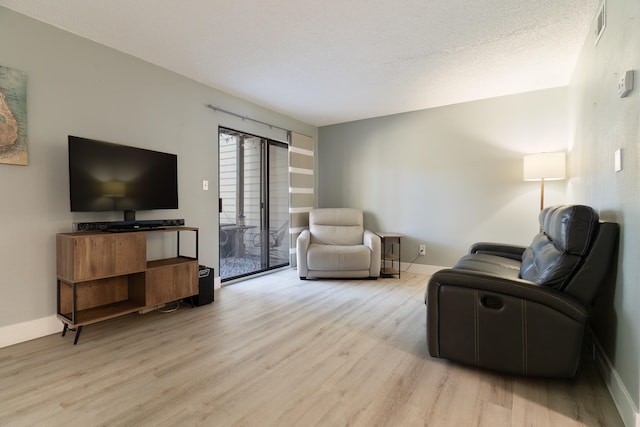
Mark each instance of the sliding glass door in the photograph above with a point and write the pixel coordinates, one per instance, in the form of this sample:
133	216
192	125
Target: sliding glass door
254	210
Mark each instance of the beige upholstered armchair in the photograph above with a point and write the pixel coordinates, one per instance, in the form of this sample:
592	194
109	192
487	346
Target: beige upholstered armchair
337	245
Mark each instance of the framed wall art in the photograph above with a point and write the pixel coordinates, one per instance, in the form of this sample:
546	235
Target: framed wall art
13	117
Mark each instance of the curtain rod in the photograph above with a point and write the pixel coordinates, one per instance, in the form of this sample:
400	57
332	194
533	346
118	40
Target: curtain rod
231	113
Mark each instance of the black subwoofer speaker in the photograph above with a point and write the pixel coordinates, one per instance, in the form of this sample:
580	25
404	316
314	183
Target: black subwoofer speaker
205	286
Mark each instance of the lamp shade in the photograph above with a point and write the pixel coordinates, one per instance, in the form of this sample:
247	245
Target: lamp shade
547	166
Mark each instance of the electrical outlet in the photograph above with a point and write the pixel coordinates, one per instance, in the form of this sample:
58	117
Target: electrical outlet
423	250
625	85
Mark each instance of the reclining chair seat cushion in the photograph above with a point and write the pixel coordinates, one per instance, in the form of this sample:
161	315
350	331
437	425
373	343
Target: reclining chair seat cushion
490	264
338	257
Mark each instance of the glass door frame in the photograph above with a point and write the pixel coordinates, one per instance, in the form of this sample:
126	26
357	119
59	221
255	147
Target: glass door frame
248	245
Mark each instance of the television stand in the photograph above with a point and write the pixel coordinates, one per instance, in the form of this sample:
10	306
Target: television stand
106	275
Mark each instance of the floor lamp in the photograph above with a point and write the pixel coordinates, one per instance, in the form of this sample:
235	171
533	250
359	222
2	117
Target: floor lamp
544	166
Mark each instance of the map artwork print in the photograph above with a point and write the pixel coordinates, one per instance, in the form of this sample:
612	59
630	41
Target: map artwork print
13	117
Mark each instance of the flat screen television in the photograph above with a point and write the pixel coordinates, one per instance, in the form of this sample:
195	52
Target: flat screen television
104	176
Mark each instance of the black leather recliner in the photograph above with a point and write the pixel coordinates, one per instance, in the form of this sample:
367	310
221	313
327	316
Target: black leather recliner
523	310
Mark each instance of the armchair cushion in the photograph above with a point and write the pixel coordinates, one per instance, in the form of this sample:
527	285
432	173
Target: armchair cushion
339	258
336	226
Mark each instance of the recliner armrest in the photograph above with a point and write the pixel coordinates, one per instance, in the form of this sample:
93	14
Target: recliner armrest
498	249
518	288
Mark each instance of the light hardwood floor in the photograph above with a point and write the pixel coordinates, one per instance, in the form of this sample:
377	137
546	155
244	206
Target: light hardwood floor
277	351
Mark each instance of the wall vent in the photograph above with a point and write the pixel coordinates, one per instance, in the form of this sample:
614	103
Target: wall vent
600	21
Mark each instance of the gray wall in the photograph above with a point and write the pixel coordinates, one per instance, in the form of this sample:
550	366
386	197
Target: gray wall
447	176
81	88
601	123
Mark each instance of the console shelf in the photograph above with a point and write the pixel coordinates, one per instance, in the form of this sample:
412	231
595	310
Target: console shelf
106	275
159	263
98	314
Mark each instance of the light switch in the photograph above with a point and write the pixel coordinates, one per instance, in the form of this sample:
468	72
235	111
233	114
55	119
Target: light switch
617	160
205	185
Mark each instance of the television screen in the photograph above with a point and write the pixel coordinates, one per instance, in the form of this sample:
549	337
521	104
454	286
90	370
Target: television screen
111	177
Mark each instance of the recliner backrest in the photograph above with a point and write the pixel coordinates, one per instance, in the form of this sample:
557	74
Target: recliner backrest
557	252
584	284
336	226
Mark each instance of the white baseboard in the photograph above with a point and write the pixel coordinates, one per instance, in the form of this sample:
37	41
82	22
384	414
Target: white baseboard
26	331
623	401
425	269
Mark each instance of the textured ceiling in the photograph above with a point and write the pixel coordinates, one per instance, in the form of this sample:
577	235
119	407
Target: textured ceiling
331	61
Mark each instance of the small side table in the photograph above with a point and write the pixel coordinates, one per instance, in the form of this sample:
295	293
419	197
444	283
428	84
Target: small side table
390	262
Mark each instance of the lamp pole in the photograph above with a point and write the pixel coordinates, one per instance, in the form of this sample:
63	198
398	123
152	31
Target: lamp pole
543	166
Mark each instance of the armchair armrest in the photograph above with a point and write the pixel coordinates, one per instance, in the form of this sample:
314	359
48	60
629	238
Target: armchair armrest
302	246
498	249
373	242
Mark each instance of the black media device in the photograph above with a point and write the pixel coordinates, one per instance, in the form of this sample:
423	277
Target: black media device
116	226
104	176
205	288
